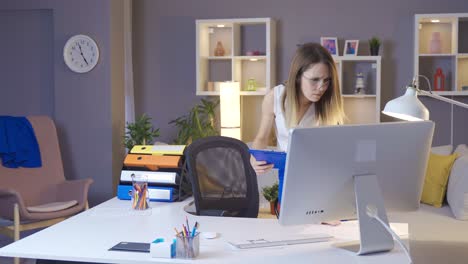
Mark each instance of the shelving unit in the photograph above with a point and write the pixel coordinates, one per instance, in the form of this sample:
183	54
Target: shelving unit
239	38
360	108
453	55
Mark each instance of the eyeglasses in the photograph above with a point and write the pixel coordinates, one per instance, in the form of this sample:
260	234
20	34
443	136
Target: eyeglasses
317	82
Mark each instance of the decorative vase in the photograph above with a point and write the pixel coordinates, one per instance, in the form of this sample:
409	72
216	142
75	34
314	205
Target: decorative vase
435	45
439	80
360	88
251	85
219	50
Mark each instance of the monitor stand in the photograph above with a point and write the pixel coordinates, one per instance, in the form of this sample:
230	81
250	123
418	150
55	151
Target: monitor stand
369	202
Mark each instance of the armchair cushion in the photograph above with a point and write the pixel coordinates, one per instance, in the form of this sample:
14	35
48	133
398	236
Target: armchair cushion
457	190
437	174
51	207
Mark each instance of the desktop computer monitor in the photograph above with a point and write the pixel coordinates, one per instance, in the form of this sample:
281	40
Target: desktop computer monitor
354	171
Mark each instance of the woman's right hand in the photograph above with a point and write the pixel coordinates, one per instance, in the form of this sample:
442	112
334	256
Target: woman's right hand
261	166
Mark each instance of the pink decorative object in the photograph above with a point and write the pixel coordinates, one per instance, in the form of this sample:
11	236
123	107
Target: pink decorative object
435	45
219	50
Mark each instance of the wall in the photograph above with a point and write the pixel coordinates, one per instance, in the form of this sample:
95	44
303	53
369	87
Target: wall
164	46
81	104
34	94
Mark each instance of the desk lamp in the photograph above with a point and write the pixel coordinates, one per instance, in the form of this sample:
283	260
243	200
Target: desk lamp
230	109
408	107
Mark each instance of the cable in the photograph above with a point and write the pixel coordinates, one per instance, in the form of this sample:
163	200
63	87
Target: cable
428	82
372	212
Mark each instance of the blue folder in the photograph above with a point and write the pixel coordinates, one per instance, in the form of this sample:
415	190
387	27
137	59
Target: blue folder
278	159
156	194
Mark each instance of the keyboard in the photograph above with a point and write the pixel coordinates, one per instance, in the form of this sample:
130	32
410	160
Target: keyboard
258	243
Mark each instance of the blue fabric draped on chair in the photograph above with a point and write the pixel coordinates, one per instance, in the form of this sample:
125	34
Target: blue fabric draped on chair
18	143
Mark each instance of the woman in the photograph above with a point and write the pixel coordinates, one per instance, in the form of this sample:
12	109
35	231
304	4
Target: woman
310	97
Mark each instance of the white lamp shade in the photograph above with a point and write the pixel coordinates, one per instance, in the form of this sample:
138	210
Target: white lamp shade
229	103
407	107
231	132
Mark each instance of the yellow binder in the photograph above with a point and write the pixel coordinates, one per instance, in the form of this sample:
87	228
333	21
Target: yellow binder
158	149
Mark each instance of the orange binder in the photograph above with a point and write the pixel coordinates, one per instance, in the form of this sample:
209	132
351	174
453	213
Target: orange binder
152	162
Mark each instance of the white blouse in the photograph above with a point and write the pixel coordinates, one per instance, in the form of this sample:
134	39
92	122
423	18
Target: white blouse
282	133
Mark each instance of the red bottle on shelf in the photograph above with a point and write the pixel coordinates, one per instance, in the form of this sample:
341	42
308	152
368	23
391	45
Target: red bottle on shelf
439	80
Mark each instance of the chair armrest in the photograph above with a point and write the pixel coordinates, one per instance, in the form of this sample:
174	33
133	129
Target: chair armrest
8	198
74	190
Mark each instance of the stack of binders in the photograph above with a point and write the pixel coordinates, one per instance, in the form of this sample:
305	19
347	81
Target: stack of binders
162	164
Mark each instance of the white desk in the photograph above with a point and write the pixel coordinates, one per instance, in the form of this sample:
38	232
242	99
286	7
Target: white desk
88	236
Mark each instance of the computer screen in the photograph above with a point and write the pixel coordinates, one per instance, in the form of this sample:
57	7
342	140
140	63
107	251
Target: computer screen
323	163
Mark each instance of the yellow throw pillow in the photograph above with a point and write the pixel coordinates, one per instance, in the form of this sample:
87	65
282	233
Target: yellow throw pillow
437	174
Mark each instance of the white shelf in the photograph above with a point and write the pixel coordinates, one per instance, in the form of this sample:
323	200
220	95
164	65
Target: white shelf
453	59
239	37
242	93
359	95
218	57
250	57
360	108
438	55
357	58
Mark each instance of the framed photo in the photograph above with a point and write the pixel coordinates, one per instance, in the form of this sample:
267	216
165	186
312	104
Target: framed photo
331	44
351	47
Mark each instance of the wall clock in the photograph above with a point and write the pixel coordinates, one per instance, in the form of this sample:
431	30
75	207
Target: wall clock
81	53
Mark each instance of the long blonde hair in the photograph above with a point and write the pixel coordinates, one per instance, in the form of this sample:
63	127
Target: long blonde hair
329	109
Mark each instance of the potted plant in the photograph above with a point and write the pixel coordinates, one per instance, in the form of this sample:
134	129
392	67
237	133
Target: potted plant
141	132
271	195
374	45
198	123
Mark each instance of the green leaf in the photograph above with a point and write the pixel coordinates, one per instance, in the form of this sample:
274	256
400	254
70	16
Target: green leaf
141	132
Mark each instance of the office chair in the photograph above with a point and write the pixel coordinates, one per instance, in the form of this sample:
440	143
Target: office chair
223	181
34	198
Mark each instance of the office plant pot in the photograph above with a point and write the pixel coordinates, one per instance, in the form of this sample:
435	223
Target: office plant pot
374	50
272	208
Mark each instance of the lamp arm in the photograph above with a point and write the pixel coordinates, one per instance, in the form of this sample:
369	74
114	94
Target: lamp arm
447	100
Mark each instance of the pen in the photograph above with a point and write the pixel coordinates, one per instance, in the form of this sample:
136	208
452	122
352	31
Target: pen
188	227
194	229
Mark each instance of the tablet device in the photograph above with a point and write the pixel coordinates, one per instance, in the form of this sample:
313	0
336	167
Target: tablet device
131	246
277	158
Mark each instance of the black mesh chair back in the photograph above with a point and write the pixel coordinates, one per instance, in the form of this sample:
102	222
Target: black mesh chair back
223	181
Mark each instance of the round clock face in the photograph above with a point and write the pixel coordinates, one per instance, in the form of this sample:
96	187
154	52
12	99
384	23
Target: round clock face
81	53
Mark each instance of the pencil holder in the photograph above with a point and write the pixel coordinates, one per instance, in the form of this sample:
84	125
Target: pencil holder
187	247
139	192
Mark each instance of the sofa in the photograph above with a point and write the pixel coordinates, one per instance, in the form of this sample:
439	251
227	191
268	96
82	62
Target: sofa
440	235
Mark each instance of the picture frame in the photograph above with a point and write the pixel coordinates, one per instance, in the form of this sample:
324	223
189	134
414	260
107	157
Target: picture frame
351	47
331	44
